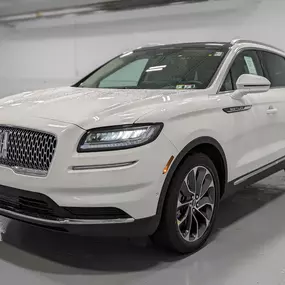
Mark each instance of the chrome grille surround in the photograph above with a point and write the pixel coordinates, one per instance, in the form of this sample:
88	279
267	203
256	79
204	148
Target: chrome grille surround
28	152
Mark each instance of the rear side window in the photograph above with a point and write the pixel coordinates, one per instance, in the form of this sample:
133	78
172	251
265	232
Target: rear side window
275	67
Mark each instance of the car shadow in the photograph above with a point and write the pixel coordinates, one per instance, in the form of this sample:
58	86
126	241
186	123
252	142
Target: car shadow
52	252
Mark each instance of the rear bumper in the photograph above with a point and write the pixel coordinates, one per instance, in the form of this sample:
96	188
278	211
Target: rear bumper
39	210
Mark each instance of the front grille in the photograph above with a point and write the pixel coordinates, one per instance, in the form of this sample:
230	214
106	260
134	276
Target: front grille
26	148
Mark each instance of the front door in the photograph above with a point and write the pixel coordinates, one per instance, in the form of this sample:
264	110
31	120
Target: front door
254	121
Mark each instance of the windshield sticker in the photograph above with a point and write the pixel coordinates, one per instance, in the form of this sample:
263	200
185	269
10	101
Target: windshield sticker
219	53
156	68
250	65
186	86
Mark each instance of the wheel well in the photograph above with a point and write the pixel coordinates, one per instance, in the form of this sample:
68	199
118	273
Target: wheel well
215	155
209	147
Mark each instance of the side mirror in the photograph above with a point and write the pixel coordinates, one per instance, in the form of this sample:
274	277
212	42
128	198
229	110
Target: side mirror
249	83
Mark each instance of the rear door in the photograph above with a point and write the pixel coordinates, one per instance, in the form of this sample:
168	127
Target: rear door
274	68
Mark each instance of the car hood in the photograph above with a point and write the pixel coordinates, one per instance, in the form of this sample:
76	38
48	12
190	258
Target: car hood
84	107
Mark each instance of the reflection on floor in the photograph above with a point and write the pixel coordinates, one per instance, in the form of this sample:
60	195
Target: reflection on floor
247	248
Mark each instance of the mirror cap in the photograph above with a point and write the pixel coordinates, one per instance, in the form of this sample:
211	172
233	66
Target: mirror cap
250	83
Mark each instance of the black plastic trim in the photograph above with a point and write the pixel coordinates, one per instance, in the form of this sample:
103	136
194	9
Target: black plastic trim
119	127
252	85
101	213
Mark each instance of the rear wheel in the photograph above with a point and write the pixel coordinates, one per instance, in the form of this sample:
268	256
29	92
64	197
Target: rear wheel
190	206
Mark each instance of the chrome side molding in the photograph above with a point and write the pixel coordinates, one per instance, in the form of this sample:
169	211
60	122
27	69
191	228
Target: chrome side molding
244	178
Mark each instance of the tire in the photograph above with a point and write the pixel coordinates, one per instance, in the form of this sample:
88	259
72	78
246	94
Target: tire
173	231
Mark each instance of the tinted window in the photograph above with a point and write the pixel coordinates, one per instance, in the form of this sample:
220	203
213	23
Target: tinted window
247	62
159	68
275	66
228	84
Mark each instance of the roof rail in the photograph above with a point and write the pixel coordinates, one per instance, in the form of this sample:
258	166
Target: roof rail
150	45
235	41
240	41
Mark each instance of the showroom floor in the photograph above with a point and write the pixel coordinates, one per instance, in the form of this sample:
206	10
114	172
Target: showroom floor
247	248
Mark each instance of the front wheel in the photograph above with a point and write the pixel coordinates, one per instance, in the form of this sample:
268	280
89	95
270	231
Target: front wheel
190	206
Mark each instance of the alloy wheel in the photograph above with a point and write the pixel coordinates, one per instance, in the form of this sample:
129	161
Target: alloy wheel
196	203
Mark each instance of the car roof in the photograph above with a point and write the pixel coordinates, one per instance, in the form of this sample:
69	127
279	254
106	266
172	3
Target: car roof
212	45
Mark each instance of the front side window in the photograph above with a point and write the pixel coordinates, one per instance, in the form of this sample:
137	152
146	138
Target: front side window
246	62
228	84
275	66
159	68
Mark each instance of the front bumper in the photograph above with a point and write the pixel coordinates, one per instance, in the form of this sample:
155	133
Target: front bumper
95	180
39	210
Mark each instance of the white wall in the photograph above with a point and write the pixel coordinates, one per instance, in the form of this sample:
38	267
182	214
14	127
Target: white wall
59	51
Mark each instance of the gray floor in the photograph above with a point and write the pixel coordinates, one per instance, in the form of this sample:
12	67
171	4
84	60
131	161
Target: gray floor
247	248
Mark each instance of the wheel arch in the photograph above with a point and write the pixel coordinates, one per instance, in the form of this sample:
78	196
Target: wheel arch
204	145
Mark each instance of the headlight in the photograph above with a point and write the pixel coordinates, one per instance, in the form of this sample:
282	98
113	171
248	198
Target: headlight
119	137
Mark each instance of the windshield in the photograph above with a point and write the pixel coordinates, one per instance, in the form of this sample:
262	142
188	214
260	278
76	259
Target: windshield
159	68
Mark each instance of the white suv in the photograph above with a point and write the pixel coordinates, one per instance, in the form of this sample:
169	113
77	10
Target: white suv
147	144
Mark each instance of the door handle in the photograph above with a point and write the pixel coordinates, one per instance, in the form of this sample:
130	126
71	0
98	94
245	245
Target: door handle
271	110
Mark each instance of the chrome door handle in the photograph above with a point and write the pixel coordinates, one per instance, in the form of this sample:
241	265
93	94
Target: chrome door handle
271	110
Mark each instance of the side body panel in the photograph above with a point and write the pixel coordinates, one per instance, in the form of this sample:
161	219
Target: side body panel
251	138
